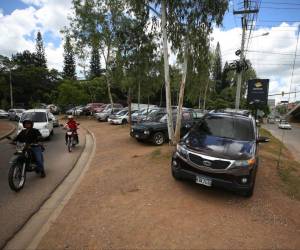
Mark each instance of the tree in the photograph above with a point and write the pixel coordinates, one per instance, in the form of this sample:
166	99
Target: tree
217	69
95	70
40	51
69	70
99	21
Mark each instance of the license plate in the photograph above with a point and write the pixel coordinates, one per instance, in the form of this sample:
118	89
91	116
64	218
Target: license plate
137	136
203	181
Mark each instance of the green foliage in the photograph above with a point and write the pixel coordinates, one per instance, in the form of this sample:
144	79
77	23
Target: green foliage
217	69
69	70
30	82
40	51
71	92
95	70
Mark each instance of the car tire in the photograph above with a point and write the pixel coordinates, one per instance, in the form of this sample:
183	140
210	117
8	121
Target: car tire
176	175
52	132
158	138
124	121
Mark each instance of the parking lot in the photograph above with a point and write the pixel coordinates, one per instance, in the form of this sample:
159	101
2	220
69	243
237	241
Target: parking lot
128	199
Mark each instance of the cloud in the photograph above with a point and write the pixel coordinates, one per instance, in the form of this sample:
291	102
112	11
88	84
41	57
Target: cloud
20	28
272	56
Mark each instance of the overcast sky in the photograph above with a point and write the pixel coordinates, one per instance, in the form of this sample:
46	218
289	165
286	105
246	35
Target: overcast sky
272	55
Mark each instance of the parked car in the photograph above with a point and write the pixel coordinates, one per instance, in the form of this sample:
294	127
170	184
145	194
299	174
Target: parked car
157	131
283	124
15	114
143	114
154	116
3	114
77	110
54	120
91	108
53	109
107	111
42	121
122	117
220	151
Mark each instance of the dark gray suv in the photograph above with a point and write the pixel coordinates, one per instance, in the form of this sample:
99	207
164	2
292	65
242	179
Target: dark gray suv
221	150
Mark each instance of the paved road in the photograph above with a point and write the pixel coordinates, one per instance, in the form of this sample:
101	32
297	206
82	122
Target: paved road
16	208
291	138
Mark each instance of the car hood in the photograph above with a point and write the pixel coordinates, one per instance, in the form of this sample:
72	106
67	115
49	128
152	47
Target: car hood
149	125
220	147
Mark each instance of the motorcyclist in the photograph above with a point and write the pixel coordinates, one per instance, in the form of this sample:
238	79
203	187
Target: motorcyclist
72	125
32	136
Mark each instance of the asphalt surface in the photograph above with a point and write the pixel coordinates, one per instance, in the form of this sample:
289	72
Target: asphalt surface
291	138
17	208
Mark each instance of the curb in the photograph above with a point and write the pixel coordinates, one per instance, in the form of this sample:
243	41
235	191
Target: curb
8	133
39	224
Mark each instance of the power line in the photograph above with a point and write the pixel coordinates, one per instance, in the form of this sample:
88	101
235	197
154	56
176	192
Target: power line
285	3
280	8
271	52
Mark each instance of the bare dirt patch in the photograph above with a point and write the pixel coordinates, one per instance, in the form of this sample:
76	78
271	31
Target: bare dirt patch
128	199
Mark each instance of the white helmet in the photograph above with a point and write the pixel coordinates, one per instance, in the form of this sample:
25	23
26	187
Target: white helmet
70	117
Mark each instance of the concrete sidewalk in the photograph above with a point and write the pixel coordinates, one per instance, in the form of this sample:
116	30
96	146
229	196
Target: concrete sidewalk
6	128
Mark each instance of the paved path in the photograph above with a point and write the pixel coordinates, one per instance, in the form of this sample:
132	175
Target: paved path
5	127
291	138
16	208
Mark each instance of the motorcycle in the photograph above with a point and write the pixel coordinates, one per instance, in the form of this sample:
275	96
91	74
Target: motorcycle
21	163
71	139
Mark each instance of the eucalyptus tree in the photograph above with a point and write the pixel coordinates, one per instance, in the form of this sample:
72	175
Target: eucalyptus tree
185	24
97	22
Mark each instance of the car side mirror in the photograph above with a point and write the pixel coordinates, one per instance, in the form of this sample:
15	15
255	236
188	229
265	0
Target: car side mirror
263	139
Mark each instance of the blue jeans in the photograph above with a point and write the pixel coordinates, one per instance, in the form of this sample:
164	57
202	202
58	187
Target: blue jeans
39	158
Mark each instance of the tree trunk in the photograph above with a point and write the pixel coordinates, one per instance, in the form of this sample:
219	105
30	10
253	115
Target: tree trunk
129	107
181	94
107	61
199	99
166	71
205	93
139	95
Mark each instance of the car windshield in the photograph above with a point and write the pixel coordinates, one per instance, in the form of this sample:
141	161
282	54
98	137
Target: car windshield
19	111
122	112
34	116
227	127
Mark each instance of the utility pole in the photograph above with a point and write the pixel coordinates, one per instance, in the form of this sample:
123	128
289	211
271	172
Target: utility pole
11	92
245	12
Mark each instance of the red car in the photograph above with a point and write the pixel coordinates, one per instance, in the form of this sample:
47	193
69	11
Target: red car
90	107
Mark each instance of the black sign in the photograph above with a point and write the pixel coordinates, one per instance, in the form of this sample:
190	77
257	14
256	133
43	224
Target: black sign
258	90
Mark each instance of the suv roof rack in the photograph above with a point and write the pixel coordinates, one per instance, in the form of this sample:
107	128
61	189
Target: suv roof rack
241	112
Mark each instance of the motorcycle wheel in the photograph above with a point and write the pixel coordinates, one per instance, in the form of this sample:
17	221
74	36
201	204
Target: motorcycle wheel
15	179
70	143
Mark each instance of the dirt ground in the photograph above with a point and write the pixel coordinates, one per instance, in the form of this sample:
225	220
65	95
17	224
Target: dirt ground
128	199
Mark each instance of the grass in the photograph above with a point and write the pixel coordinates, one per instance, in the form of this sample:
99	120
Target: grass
156	153
287	168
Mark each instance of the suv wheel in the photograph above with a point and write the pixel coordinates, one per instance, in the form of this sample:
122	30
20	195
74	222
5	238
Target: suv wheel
158	138
124	121
176	175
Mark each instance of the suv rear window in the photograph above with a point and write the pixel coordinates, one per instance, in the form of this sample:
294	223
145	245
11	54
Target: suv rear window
34	116
227	127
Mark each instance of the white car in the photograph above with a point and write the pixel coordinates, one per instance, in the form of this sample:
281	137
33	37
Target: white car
284	125
42	121
119	118
3	114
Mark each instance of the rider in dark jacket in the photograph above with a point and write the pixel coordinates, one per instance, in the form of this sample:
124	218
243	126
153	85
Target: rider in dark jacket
32	136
